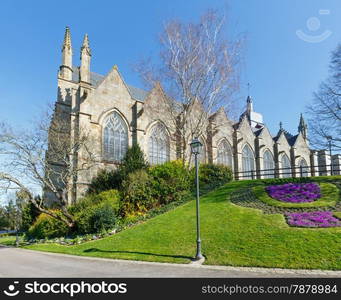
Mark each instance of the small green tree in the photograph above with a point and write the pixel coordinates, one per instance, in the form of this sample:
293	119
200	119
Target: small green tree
14	214
4	224
133	160
29	215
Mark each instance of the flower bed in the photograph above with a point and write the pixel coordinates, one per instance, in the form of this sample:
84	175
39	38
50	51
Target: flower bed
322	219
295	193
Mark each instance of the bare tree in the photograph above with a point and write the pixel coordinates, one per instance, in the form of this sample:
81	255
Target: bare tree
43	159
198	70
325	110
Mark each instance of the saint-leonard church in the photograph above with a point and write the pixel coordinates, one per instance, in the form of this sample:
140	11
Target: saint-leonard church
117	115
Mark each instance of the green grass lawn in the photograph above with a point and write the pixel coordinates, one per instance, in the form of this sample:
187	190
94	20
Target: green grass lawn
231	235
7	240
338	214
329	192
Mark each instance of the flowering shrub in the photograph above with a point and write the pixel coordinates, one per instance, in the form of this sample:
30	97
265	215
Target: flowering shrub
313	219
294	193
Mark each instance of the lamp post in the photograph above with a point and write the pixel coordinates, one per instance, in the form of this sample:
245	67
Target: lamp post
329	138
196	149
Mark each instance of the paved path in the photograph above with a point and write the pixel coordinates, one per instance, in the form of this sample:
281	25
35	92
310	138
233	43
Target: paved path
27	263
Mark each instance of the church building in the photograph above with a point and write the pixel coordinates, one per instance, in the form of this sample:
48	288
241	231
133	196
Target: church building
117	115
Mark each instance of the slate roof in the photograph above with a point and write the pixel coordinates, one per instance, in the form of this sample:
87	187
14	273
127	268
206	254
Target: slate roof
96	79
137	93
258	131
277	136
290	138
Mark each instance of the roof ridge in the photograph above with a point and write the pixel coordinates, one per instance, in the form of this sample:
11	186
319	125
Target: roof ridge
96	78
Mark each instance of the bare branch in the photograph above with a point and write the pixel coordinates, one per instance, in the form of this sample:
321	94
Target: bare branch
198	71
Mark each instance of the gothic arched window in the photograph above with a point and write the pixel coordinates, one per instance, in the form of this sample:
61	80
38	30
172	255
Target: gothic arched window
286	167
158	145
224	154
115	137
248	162
303	168
269	165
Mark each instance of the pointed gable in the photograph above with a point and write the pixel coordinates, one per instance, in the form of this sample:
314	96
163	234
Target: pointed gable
113	82
244	124
220	117
155	98
245	131
281	138
157	106
111	92
299	141
265	134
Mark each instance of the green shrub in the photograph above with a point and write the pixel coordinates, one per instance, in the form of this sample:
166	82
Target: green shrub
90	212
92	199
83	218
212	175
111	196
95	218
104	217
133	160
47	227
171	181
137	193
105	180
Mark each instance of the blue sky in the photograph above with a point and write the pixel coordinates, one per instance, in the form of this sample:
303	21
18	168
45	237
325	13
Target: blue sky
283	70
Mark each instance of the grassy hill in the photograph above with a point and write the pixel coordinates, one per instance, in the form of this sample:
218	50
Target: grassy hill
231	235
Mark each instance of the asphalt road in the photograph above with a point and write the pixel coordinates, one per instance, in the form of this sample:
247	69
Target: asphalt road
26	263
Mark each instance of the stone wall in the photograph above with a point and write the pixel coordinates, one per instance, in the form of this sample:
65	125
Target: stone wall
88	106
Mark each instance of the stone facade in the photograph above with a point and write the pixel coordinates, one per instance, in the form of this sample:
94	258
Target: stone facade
98	104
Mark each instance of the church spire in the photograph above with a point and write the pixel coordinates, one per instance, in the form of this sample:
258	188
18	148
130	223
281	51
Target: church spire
302	127
85	45
85	60
249	105
67	39
65	70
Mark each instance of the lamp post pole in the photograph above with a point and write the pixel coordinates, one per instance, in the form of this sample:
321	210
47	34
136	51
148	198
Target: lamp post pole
198	255
330	154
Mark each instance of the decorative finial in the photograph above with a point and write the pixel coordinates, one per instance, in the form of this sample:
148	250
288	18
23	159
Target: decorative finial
67	39
86	45
248	89
280	125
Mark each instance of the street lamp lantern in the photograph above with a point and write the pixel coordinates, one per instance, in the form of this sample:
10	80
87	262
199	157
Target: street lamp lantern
196	146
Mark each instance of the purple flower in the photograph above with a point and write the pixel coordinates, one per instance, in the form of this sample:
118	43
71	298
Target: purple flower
313	219
294	193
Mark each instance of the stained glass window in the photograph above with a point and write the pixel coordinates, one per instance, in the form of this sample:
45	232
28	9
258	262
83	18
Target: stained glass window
286	167
158	145
224	154
115	138
269	165
248	162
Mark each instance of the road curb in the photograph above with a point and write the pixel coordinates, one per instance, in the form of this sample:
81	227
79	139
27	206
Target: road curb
277	271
